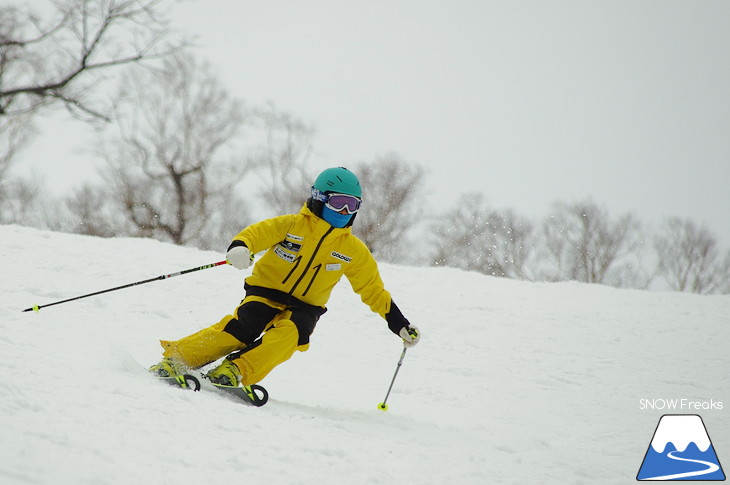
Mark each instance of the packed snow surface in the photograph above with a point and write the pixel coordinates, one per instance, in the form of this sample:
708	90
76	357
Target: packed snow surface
513	382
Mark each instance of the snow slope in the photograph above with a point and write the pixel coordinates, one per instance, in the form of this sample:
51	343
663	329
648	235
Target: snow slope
513	382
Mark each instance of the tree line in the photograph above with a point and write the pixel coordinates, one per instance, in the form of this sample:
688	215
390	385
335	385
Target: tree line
182	160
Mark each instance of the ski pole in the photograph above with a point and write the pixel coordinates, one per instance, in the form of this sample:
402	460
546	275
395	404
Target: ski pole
383	406
37	308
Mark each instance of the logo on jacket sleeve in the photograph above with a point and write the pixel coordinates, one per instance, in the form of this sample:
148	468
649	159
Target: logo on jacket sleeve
341	257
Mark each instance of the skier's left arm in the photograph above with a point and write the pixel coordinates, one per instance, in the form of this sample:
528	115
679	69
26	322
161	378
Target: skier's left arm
365	279
401	326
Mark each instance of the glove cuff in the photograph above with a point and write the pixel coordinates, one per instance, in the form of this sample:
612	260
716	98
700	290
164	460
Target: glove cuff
396	320
236	243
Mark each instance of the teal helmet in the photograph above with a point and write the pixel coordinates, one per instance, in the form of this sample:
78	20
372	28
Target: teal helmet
336	180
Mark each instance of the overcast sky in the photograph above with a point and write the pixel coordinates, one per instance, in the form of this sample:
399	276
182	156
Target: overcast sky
529	102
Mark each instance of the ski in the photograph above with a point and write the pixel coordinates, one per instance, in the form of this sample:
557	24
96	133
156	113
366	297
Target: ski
253	395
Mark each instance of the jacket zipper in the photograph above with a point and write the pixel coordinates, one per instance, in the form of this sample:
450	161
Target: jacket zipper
311	260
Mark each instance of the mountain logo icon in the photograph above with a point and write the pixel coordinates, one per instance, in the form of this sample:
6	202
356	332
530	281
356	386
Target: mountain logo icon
681	450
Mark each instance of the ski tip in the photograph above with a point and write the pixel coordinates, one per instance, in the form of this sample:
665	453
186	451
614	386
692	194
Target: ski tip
190	382
254	394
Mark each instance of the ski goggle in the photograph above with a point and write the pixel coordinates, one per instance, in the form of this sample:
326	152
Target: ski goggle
338	202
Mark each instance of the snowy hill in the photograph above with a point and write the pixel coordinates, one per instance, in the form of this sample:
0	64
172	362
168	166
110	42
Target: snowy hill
513	382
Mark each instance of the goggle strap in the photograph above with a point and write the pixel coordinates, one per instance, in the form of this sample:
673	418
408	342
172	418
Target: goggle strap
325	198
317	195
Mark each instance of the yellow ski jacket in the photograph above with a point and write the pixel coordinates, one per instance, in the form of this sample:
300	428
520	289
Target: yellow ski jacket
306	257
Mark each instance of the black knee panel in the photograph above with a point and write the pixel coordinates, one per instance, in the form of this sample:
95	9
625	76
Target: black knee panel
305	320
250	320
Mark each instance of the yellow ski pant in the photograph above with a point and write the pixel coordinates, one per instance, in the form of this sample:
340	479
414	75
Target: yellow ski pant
279	342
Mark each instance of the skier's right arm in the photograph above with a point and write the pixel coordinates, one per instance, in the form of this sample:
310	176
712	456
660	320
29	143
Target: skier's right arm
262	235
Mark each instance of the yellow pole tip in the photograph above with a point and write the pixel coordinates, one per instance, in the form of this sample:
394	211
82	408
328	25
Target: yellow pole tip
382	406
36	309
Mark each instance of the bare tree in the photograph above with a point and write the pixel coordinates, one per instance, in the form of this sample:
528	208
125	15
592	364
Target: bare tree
474	237
725	272
689	258
62	58
172	167
25	201
90	213
586	245
15	131
389	211
21	203
281	161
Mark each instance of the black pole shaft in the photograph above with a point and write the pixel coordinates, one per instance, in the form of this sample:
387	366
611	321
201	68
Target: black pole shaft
400	362
156	278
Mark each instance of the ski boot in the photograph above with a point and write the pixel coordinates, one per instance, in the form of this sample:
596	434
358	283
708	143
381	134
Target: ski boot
167	367
226	374
174	372
227	378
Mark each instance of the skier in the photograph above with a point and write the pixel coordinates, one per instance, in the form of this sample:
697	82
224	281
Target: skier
306	255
